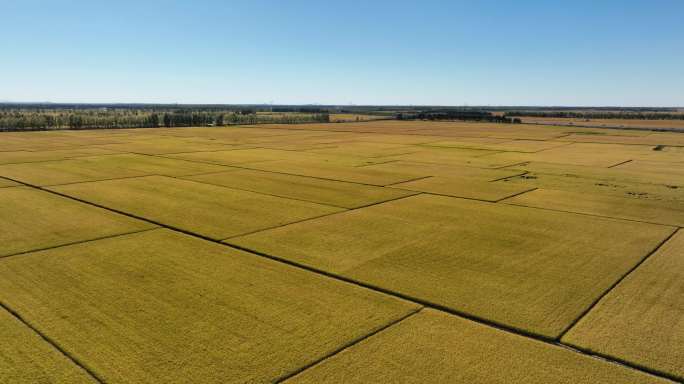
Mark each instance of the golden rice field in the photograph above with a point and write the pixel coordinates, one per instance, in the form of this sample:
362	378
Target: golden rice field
370	252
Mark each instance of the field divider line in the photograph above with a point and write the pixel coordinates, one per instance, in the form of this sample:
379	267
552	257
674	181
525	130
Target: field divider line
347	346
370	165
589	214
258	192
245	166
425	303
626	363
450	196
325	215
522	173
454	312
522	163
517	194
617	282
618	164
62	159
408	181
2	257
98	180
69	356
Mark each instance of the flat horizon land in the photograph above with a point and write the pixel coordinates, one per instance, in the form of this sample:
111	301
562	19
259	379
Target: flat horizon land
364	250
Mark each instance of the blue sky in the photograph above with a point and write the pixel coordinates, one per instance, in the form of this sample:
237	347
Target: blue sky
523	52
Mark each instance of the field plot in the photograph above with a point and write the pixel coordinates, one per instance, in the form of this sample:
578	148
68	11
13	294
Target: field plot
163	307
168	145
102	168
418	169
589	154
7	183
642	319
500	144
668	213
27	358
33	219
673	170
359	252
596	186
502	263
608	123
463	187
208	210
37	156
432	347
335	193
361	175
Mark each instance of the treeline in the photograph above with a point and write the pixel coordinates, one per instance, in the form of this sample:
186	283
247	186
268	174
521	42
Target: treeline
599	115
458	115
42	119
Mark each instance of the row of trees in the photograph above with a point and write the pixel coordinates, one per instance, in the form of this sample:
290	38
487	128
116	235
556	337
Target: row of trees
23	120
457	115
600	115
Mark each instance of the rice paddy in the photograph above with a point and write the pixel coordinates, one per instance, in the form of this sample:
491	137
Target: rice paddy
377	251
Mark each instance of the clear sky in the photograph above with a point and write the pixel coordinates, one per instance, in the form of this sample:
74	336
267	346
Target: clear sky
517	52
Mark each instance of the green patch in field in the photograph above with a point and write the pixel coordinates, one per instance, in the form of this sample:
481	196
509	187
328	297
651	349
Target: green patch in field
642	319
335	193
433	347
164	307
209	210
499	262
32	219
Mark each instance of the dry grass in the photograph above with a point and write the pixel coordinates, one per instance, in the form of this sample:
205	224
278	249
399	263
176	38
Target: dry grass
503	263
209	210
432	347
31	219
166	308
642	319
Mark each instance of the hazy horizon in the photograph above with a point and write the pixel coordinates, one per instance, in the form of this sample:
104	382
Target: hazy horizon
525	53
